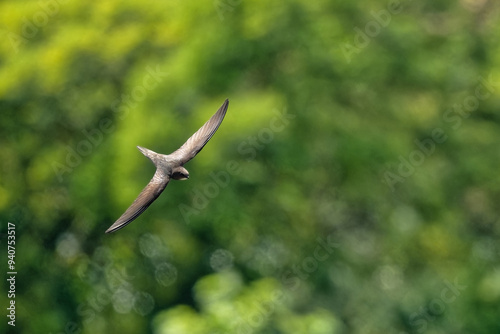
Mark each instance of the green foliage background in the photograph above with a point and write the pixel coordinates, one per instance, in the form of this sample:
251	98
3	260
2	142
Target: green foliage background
354	213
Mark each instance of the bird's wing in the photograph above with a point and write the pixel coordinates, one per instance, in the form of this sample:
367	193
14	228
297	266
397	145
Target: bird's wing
197	141
147	196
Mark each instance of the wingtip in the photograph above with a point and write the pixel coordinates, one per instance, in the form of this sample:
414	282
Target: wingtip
114	228
111	229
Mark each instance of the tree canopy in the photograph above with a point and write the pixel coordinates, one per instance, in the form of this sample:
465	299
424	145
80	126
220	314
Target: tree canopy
351	187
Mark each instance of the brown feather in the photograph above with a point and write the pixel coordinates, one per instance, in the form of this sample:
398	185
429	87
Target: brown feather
201	137
147	196
168	165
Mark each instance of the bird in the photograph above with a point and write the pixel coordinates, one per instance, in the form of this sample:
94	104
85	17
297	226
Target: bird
169	167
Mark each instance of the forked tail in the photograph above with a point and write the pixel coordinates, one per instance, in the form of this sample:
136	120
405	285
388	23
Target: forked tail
152	155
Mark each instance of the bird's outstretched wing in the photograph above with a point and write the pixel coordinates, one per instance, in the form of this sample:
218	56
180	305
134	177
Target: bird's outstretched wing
201	137
147	196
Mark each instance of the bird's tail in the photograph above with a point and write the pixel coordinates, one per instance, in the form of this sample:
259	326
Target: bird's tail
148	153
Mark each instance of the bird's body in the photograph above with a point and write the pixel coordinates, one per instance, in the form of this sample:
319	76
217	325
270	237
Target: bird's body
170	166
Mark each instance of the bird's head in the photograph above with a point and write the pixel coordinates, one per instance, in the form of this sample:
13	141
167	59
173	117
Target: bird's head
180	173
